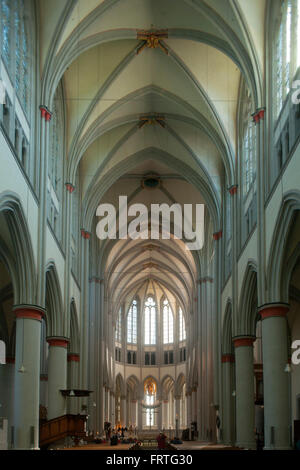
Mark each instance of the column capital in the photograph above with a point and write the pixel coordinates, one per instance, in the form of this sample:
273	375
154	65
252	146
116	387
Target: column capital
275	309
258	115
31	312
85	234
59	341
227	358
69	187
239	341
217	235
45	113
73	357
233	189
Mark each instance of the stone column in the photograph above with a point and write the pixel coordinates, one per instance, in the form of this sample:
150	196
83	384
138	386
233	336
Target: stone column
84	306
123	410
177	414
172	413
7	379
113	409
140	416
165	422
27	376
57	376
103	405
43	185
159	420
194	404
276	381
106	417
73	379
133	413
245	412
189	411
228	403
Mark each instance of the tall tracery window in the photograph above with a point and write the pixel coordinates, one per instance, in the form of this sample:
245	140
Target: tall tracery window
55	166
6	32
118	335
15	47
75	226
150	321
248	143
132	323
150	398
182	330
287	51
168	323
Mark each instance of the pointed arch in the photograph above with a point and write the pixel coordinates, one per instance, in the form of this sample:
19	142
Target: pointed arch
290	205
74	345
181	380
54	304
17	252
248	303
227	329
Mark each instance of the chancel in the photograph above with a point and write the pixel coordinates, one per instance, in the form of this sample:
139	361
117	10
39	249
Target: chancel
138	340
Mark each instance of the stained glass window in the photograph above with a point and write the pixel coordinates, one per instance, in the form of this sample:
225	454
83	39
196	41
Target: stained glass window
150	321
287	51
149	398
119	328
14	40
6	32
132	323
168	323
248	131
182	330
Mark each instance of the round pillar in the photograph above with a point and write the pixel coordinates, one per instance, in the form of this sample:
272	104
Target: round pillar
57	376
276	380
7	379
189	411
112	408
165	406
160	417
228	404
123	411
140	415
27	377
194	404
133	413
73	360
245	411
177	414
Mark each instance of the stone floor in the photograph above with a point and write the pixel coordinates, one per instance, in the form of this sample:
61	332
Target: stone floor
186	445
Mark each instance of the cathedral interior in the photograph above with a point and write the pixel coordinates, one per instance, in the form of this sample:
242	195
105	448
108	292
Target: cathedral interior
174	102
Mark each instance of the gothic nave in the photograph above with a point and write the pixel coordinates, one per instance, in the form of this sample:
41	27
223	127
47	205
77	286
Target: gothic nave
180	103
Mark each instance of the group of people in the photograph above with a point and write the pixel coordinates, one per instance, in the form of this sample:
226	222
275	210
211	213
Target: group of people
118	433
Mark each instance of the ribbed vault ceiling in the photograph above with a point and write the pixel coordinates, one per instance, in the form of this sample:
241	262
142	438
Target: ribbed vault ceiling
188	89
